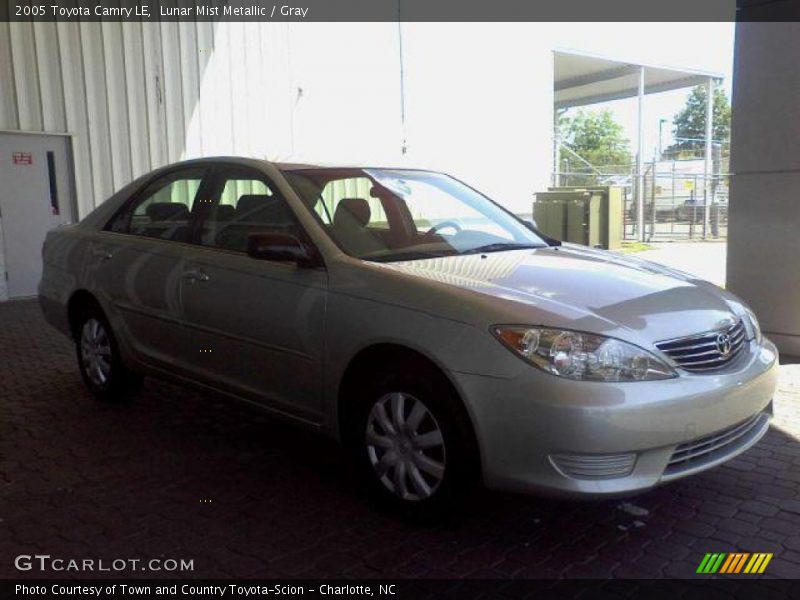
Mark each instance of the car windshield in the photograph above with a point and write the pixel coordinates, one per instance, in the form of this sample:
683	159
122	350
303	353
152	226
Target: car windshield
393	214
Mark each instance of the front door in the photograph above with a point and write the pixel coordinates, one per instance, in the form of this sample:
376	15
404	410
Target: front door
257	325
35	196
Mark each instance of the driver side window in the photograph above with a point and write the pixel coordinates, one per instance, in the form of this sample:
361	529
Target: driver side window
245	202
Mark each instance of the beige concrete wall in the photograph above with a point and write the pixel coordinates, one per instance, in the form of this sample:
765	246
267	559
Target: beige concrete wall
141	95
764	234
137	96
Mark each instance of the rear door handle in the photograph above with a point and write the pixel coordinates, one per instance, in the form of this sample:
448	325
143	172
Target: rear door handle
102	253
195	275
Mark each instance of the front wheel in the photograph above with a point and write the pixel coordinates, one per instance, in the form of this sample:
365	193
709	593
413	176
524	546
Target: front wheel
405	446
414	444
99	359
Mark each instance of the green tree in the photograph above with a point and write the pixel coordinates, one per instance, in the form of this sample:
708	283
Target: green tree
596	137
689	125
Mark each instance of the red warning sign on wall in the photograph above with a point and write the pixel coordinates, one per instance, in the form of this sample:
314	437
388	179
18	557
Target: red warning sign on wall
22	158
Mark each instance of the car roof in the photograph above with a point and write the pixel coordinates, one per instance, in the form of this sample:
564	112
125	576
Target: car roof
281	165
243	160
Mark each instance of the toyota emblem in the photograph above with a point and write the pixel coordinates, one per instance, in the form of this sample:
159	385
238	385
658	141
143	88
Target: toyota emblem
724	344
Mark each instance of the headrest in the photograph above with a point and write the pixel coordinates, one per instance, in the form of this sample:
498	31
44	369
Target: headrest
249	202
225	212
167	211
256	208
352	209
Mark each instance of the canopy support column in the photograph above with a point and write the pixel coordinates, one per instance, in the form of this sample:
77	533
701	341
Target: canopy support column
709	149
639	159
556	150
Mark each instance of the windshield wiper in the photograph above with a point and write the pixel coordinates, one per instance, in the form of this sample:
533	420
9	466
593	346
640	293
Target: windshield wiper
421	255
501	246
401	256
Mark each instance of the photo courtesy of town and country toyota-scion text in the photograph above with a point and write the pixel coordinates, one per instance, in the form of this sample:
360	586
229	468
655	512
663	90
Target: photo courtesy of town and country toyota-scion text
187	590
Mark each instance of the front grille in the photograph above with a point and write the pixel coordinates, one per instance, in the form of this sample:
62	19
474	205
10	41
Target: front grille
716	447
593	466
706	351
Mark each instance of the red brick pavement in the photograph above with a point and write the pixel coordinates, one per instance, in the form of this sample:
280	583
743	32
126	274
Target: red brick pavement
80	479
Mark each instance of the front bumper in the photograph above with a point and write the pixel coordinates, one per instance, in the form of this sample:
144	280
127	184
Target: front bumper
674	428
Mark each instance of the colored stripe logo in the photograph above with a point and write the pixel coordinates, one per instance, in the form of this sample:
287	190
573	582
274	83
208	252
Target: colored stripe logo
734	563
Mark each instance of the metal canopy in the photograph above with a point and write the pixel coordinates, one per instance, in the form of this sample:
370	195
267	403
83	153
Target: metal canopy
582	79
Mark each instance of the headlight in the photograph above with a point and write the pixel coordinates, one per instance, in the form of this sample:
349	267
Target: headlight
751	326
582	356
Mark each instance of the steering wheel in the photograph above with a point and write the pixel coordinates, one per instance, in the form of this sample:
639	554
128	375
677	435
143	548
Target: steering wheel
443	225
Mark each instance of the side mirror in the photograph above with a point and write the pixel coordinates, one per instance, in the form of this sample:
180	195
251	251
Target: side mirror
530	223
280	247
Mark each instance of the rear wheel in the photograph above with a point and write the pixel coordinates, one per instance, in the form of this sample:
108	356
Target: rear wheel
413	443
99	359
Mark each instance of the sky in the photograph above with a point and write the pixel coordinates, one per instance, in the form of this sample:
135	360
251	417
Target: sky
703	46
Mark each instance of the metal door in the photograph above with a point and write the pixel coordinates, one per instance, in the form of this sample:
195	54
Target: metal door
36	195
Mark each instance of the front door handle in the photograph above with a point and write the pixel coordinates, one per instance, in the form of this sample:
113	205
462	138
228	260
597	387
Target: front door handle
195	275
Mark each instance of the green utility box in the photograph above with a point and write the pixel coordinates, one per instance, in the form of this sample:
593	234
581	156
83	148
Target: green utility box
592	216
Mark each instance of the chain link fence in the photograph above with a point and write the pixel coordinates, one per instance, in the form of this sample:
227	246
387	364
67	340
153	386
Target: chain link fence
680	202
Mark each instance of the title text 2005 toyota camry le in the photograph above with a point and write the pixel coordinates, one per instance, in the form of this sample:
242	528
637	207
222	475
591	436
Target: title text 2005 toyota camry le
436	334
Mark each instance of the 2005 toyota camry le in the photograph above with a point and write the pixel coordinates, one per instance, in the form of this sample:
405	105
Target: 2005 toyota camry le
437	335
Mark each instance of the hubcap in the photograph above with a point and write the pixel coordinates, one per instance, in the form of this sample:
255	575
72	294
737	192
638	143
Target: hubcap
96	352
405	446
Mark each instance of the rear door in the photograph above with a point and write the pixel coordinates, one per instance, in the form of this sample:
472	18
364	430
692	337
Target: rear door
136	264
257	325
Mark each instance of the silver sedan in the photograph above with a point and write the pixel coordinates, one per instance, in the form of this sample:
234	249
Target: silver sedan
443	340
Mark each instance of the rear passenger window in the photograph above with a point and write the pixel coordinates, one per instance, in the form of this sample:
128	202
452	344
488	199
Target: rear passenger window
163	209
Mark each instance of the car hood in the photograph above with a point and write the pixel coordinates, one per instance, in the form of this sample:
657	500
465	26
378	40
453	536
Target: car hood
582	288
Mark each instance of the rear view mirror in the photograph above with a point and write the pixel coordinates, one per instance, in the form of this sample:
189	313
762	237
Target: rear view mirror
530	223
280	247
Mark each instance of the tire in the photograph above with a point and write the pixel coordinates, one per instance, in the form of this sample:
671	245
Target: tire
99	358
413	443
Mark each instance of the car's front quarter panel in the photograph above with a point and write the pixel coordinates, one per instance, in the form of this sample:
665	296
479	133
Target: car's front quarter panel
365	309
521	414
